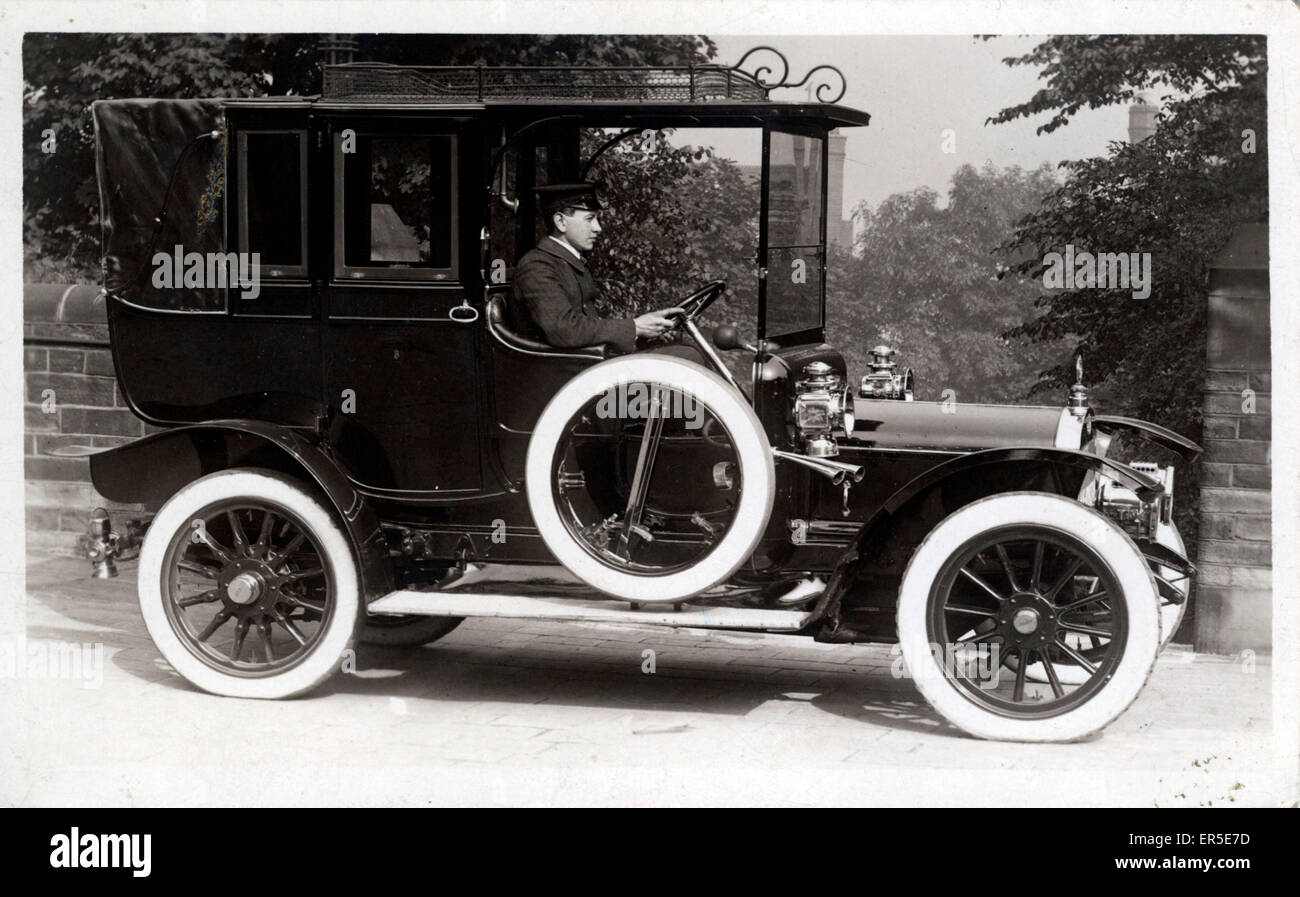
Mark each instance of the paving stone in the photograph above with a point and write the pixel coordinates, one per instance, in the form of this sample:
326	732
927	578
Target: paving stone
503	712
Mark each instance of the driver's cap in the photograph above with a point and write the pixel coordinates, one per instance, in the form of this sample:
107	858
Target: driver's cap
554	197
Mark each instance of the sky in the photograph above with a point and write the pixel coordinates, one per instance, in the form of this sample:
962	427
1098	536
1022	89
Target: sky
917	87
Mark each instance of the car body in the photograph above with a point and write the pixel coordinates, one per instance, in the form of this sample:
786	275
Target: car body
368	403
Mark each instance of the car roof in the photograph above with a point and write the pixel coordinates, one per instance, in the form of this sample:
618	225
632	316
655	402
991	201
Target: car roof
706	94
596	112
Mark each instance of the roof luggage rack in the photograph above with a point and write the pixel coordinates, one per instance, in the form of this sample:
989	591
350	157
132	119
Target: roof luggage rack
385	82
476	84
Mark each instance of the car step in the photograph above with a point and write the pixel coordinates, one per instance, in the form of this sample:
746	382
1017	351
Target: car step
585	610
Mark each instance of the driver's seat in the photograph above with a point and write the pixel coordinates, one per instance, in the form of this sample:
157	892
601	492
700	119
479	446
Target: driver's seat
498	326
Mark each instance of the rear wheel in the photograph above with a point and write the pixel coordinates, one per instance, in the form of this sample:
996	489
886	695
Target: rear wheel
1017	576
248	586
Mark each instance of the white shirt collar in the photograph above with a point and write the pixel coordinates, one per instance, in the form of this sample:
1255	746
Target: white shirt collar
577	255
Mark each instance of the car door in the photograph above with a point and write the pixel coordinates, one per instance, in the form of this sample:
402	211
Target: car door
399	338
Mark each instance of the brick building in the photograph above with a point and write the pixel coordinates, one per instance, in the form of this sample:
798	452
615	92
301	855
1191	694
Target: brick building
1234	589
71	402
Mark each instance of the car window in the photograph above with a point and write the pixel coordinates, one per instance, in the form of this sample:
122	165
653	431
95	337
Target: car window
398	207
273	200
795	192
515	226
504	218
794	233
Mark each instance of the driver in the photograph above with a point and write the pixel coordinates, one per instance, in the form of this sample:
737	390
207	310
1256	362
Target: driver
555	286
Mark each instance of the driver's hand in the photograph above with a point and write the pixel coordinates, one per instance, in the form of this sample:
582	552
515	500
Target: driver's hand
656	323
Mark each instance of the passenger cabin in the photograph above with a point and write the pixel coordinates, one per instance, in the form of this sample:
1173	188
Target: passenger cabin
386	215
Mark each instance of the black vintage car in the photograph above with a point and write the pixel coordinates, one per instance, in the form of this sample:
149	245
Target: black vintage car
357	444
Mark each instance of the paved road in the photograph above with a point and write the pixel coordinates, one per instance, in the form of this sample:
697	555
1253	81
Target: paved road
503	712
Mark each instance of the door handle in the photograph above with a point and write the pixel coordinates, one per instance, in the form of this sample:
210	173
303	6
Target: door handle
464	313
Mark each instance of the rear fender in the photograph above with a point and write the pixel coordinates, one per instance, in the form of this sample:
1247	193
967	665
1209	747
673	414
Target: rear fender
153	469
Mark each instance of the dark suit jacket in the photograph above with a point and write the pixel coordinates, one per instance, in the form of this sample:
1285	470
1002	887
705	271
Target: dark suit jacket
554	301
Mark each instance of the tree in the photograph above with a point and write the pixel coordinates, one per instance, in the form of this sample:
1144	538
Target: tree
64	73
681	216
1176	195
926	281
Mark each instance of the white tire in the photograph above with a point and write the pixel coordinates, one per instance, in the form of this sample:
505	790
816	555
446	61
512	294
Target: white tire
1171	615
1075	531
169	542
753	456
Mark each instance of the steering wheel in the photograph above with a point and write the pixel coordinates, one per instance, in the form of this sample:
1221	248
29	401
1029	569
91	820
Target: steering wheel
695	304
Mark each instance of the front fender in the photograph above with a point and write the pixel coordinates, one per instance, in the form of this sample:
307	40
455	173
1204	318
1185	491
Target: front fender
971	474
151	470
1109	423
1146	486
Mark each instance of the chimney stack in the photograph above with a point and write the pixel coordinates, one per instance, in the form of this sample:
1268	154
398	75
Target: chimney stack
337	48
838	231
1141	119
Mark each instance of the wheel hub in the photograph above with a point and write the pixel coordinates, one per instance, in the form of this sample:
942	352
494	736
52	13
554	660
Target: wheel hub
1028	620
248	588
1025	620
245	588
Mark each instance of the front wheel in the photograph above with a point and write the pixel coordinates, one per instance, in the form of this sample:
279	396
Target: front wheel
248	586
1171	615
1018	575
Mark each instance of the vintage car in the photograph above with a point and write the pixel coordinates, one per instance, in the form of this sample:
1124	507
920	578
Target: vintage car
356	444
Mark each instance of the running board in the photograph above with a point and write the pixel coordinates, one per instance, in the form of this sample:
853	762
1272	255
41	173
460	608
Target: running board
584	610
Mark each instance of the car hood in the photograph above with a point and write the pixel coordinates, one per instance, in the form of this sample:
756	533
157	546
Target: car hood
951	426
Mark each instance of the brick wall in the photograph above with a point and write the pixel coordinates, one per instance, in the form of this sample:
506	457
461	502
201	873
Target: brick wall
1234	592
71	402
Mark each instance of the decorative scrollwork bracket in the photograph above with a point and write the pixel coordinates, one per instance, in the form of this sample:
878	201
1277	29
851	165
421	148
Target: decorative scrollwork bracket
762	73
823	84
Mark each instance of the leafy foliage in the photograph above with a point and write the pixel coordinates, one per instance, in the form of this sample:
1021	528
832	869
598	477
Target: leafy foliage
683	216
65	72
1100	70
926	281
1177	195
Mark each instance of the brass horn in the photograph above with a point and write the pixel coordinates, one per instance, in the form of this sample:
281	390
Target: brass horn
854	472
835	471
